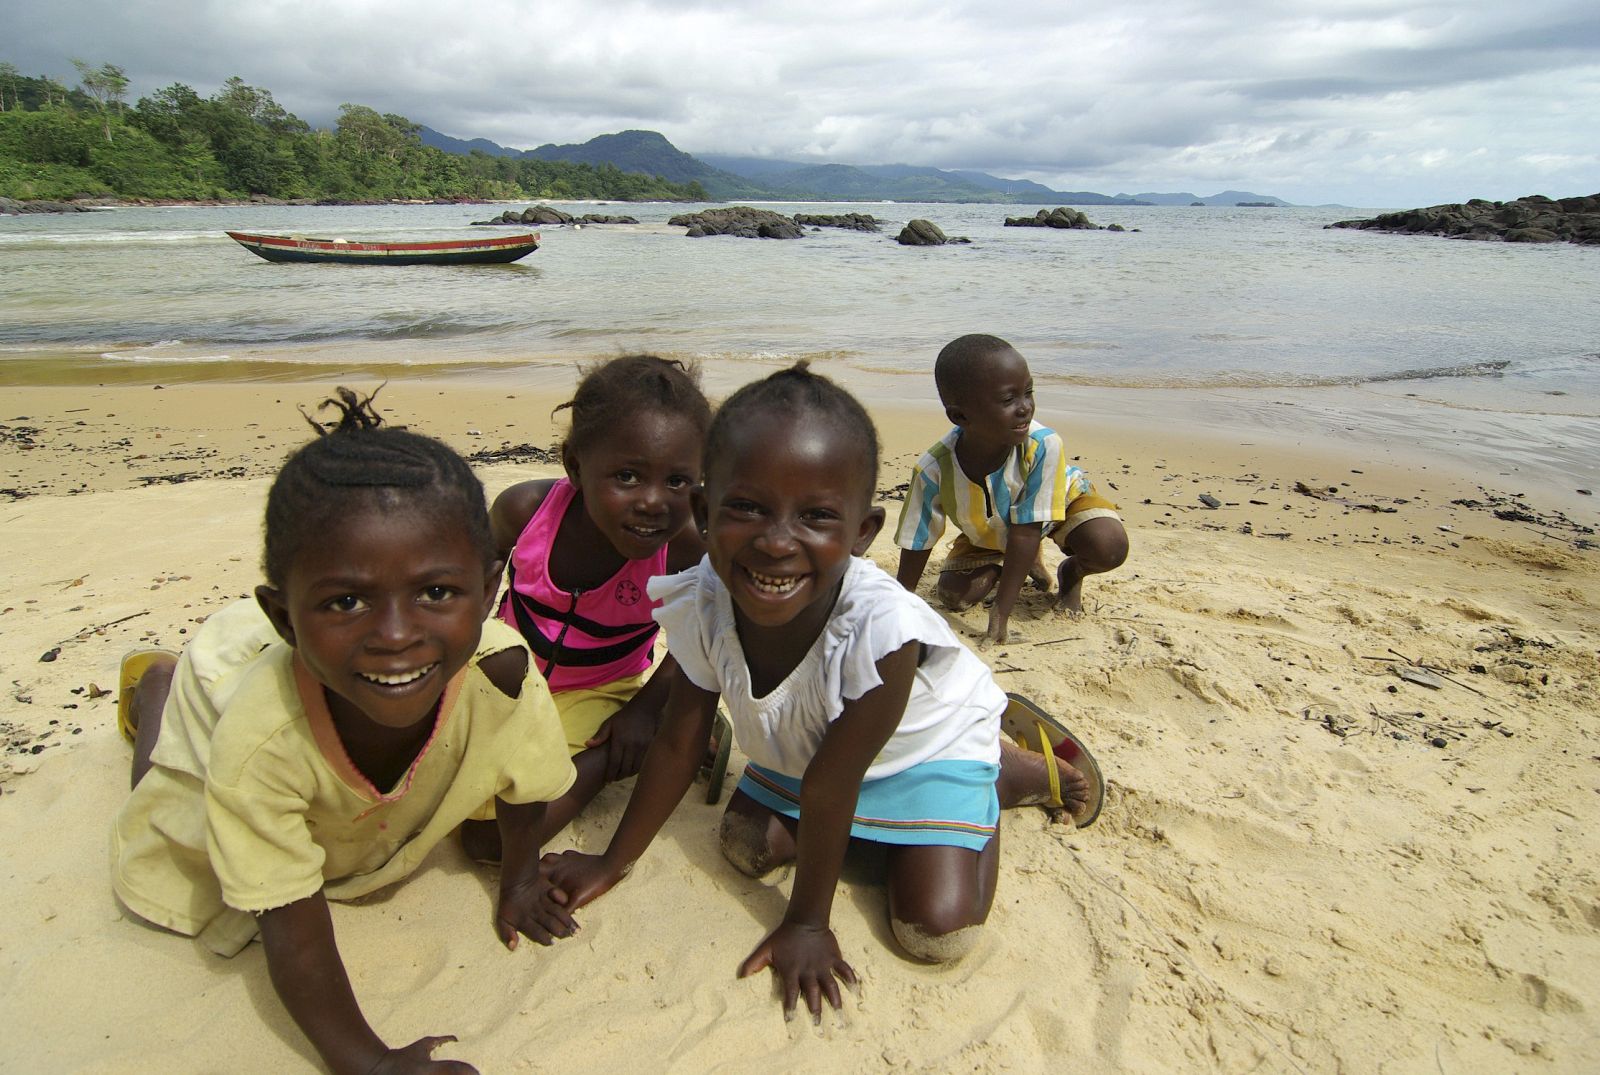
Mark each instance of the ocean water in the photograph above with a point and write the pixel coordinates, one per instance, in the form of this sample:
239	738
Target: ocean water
1485	351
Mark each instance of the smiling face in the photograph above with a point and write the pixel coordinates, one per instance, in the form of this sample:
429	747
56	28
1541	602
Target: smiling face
993	404
635	485
785	506
384	610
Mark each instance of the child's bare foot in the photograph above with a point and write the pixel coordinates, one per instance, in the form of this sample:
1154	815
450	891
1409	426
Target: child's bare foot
1070	579
1040	575
1024	780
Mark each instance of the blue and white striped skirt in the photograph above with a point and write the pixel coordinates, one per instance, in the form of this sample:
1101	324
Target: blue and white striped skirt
937	802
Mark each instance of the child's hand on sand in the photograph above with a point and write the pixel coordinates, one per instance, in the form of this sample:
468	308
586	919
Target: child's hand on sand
530	907
627	734
576	879
418	1057
998	627
806	960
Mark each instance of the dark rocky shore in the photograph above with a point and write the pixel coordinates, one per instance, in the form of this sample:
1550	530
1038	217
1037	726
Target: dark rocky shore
87	204
11	207
1534	219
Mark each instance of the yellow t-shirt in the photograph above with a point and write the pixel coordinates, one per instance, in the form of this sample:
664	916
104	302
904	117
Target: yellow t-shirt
252	803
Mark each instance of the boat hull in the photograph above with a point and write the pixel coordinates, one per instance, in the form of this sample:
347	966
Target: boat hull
498	250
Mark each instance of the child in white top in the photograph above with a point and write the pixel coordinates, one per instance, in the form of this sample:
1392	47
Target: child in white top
863	714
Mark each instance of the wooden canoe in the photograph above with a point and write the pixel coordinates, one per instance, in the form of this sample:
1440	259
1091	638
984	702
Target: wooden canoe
496	250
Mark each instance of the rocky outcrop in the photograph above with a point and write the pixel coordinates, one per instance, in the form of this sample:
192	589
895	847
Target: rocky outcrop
1534	219
926	233
852	221
739	220
9	207
548	216
1061	217
535	214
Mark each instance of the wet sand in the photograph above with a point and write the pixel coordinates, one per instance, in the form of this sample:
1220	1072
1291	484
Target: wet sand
1347	714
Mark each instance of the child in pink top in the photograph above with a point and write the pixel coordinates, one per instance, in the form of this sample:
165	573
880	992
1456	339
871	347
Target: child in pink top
581	549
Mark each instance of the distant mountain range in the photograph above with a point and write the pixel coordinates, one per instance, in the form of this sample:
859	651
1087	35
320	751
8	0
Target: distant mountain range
731	178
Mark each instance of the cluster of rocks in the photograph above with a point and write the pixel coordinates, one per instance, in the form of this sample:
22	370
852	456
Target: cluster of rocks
852	221
1060	217
1534	219
926	233
546	215
738	220
11	207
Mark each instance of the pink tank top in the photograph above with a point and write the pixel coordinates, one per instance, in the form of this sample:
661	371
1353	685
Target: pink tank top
579	639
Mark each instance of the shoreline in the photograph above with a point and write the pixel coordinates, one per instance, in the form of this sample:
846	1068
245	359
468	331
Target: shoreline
1553	458
1289	875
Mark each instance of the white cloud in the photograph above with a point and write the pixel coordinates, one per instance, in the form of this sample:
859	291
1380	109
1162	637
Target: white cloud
1370	102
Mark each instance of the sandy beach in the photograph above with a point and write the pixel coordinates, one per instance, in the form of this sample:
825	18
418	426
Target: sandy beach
1348	716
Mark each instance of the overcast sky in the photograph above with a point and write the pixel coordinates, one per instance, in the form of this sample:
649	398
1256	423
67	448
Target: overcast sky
1377	103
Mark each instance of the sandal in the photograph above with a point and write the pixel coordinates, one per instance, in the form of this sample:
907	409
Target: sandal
135	663
1031	728
722	736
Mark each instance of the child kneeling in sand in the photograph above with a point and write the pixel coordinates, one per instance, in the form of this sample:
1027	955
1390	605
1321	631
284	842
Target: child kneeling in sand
317	742
581	551
1005	481
863	715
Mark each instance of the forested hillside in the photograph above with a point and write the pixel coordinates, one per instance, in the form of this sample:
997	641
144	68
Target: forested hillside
57	142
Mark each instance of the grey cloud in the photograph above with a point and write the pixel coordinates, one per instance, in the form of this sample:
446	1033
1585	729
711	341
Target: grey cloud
1387	101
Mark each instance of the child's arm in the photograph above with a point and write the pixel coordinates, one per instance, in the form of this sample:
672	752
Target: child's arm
512	509
1022	548
526	905
303	961
629	731
912	563
668	770
802	950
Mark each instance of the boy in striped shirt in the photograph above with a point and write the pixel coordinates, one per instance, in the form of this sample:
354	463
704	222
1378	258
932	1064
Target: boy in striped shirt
1005	481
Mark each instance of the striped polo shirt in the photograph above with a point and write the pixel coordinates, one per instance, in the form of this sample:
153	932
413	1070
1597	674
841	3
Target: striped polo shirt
1034	485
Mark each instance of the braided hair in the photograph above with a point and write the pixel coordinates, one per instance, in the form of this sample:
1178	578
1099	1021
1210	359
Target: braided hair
612	393
355	463
798	393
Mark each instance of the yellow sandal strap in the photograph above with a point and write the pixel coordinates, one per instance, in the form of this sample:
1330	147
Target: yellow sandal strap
1050	763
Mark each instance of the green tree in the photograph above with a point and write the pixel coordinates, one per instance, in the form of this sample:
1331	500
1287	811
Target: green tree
107	87
53	93
8	85
56	142
171	115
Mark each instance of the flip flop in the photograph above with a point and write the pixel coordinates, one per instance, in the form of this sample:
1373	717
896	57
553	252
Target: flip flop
135	663
1031	728
722	733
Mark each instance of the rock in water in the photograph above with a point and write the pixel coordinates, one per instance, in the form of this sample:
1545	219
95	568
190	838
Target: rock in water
1061	217
922	233
739	220
852	221
1534	219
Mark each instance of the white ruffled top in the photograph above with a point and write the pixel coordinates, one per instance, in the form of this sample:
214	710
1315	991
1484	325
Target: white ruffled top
955	705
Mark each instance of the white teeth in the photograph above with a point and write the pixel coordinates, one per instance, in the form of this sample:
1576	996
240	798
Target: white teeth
397	680
774	583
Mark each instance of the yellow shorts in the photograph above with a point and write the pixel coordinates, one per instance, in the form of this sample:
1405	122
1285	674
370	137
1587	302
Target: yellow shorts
965	556
582	712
